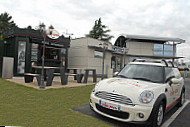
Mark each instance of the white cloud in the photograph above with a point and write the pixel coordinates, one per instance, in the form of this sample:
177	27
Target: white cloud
148	17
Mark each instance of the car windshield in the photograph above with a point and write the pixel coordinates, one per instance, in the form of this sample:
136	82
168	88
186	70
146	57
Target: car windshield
143	72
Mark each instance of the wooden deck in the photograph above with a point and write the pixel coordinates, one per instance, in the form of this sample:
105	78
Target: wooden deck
55	84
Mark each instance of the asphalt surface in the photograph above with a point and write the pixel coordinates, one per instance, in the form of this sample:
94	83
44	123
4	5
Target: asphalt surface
182	120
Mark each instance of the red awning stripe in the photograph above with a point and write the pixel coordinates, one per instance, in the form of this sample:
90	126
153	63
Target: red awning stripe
33	36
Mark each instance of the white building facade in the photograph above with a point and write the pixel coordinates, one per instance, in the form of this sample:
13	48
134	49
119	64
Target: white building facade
89	53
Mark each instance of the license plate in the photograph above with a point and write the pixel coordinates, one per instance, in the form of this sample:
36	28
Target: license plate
109	105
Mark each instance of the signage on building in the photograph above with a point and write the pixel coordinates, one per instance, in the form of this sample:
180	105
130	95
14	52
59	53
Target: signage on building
34	52
53	34
118	49
98	54
21	57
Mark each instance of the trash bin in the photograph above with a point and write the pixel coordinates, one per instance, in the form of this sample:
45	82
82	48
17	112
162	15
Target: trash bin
7	67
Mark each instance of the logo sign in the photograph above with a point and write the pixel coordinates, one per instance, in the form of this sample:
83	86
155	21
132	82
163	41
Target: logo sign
53	34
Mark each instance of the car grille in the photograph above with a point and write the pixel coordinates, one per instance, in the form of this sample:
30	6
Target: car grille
114	97
119	114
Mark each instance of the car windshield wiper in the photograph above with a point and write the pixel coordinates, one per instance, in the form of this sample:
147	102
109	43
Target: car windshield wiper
123	76
144	79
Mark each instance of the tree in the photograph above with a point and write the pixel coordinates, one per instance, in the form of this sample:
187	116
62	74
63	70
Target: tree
100	31
6	22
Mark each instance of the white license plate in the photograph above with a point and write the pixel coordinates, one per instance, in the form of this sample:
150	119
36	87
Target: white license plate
109	105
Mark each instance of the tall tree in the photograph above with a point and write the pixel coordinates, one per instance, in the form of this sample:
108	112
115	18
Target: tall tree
6	22
100	31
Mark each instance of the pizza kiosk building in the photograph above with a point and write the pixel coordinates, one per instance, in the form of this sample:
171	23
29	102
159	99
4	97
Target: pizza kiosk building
25	46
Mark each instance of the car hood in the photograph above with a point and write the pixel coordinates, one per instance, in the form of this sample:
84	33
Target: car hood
126	87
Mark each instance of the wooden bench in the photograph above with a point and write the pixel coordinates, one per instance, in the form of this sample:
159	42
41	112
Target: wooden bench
28	77
70	74
78	76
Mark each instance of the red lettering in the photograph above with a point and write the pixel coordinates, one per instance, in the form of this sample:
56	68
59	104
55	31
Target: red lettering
55	35
176	91
137	85
111	107
172	92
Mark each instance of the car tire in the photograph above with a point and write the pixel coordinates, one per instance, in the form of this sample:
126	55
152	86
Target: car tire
159	115
182	98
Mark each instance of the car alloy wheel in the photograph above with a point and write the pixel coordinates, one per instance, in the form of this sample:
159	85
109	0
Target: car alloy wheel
183	98
160	115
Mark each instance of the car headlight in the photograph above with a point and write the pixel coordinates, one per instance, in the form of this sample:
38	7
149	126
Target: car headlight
146	97
96	86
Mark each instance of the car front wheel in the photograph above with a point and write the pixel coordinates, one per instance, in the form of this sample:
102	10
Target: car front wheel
159	115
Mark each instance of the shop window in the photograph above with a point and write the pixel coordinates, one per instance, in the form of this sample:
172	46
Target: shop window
50	53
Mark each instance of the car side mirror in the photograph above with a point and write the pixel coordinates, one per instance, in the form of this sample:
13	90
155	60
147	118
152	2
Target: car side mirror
115	74
175	81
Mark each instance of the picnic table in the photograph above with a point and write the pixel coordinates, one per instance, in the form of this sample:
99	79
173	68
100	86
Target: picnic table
77	73
48	75
87	74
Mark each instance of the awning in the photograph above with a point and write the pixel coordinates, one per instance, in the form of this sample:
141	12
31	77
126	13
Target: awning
122	39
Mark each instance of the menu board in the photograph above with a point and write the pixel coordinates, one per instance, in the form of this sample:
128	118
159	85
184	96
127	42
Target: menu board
34	53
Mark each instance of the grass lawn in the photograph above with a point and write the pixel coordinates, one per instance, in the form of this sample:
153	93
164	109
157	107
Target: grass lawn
188	74
23	106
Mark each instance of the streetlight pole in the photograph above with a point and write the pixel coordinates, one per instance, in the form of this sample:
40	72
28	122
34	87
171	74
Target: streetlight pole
124	50
42	86
103	63
104	47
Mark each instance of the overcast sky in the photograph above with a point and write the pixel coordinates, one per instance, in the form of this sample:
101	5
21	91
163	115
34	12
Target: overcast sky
162	18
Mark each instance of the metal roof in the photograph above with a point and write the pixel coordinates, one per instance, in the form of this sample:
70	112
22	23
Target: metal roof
156	57
143	37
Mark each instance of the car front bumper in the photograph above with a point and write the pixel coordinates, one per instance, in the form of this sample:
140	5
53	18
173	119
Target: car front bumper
127	113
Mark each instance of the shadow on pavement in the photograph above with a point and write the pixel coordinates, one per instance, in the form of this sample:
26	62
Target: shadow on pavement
182	120
85	109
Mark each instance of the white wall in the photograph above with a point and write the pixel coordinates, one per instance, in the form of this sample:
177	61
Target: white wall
81	56
78	56
140	48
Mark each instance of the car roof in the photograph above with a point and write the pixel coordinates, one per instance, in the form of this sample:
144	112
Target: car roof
153	62
147	63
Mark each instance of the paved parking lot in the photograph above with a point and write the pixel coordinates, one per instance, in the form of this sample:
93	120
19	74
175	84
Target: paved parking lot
181	120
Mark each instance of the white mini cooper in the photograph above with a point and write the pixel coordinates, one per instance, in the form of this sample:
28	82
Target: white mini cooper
142	92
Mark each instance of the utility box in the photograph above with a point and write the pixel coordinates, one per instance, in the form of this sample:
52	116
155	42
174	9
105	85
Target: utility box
7	67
